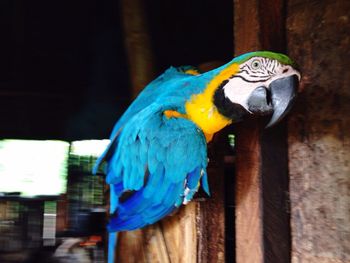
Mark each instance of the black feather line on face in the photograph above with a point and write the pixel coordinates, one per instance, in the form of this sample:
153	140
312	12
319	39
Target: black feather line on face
227	108
250	81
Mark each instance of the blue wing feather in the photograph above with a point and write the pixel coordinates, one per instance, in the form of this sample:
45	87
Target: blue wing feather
172	86
205	183
169	154
162	160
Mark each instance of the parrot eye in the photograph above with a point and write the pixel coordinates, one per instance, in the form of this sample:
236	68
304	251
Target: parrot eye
256	64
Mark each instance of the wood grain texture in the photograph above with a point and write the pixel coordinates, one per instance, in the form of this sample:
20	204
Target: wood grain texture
249	246
180	234
275	185
319	132
249	224
131	247
174	239
262	214
246	26
249	241
211	215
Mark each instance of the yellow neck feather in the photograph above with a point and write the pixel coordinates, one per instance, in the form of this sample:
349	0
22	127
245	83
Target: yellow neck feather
200	108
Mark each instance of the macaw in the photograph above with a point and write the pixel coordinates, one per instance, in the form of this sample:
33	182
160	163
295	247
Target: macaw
157	156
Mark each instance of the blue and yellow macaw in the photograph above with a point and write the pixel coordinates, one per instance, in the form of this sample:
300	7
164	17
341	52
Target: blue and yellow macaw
157	157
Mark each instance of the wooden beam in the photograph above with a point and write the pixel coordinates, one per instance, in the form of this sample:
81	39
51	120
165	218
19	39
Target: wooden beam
319	138
211	217
138	44
262	214
275	195
249	240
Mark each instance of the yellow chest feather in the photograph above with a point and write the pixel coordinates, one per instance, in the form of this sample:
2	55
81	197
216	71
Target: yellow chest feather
203	112
201	109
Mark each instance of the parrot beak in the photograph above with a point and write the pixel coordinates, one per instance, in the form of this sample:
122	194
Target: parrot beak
283	93
275	100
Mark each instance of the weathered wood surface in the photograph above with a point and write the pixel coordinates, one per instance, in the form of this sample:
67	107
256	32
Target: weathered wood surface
211	215
249	240
171	240
248	190
319	132
262	219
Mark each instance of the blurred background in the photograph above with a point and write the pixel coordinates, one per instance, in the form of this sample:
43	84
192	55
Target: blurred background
68	69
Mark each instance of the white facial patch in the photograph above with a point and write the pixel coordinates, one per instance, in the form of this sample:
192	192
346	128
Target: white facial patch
238	91
254	73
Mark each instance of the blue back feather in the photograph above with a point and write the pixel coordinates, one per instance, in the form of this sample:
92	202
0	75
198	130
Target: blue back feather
170	151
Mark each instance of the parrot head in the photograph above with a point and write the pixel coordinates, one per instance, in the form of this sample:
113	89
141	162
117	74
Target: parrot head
259	83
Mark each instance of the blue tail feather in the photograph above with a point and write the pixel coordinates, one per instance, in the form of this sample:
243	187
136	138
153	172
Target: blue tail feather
156	213
131	223
193	178
112	245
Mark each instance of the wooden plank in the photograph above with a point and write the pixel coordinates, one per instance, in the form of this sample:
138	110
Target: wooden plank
274	149
249	241
211	214
174	239
138	44
249	246
246	26
319	137
262	220
180	234
275	185
131	247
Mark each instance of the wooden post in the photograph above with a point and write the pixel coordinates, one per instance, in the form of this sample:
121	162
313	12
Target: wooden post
137	44
262	214
211	215
249	243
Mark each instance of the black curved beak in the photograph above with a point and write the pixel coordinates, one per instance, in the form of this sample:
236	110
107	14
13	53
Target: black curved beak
275	100
283	93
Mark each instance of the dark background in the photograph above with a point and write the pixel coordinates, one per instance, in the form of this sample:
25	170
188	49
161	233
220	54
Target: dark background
63	69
